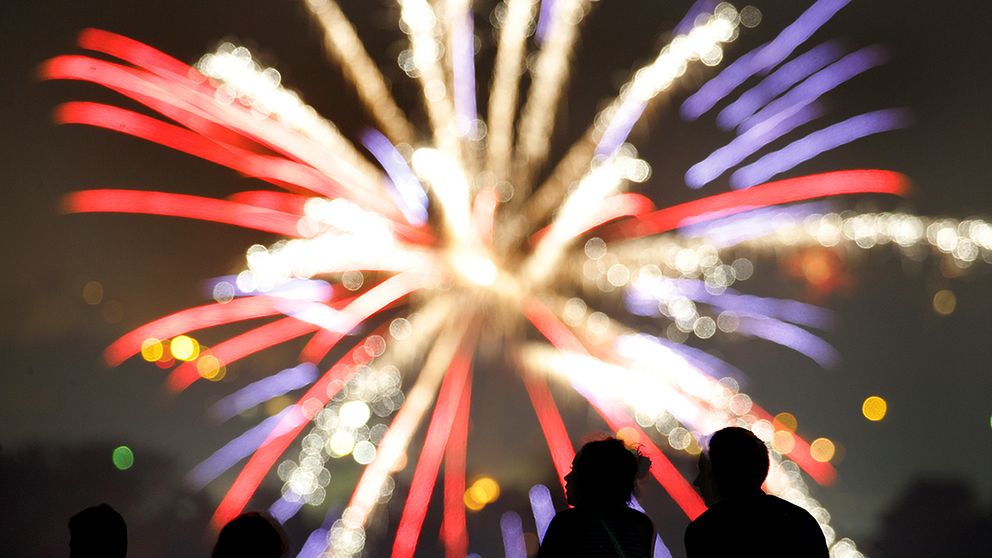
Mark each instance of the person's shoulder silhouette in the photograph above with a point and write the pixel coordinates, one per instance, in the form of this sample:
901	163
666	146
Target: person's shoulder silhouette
742	520
250	535
97	532
601	524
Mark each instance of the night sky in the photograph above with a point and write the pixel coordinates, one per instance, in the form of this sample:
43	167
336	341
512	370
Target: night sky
56	394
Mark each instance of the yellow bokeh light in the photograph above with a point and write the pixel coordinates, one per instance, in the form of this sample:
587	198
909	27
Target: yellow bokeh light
822	450
152	349
184	347
488	489
629	435
211	368
874	408
786	421
693	448
944	302
483	491
93	293
783	441
471	503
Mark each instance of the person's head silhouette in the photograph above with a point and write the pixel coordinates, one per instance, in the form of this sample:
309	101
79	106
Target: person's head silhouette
736	464
97	532
250	535
604	474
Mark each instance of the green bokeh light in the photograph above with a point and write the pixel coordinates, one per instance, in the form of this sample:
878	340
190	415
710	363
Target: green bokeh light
123	458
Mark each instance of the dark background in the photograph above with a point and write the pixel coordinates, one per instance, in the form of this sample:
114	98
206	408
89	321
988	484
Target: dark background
924	470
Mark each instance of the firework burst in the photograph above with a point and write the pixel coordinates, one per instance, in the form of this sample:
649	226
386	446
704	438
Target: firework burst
397	272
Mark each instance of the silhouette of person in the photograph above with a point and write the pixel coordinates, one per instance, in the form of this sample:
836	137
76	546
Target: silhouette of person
250	535
601	525
742	520
97	532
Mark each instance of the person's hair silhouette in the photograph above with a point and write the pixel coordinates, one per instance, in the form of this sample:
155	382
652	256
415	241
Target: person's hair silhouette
601	484
250	535
742	520
97	532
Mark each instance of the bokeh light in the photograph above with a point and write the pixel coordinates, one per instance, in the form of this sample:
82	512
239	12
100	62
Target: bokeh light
93	293
874	408
944	302
783	441
184	347
786	421
822	450
152	349
123	458
482	492
211	368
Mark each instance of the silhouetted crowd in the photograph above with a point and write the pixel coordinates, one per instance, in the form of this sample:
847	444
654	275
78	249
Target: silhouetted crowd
602	521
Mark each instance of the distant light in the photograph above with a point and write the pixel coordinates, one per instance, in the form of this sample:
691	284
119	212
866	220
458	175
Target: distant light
152	349
471	503
874	408
354	414
93	293
822	450
184	348
786	421
944	302
342	443
483	491
123	458
783	441
211	368
364	452
750	16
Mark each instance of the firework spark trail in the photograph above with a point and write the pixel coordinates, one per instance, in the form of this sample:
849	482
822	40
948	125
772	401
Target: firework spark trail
449	350
549	75
461	28
817	142
167	81
761	59
778	82
346	50
259	88
749	143
506	79
183	93
543	508
426	51
662	469
552	425
454	388
790	190
453	528
263	390
609	130
820	83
